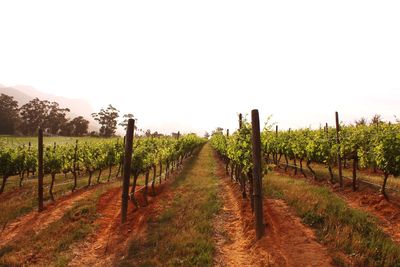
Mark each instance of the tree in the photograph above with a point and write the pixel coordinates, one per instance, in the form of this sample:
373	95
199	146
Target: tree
76	127
56	118
126	118
376	119
218	130
67	129
80	126
206	135
42	113
176	135
147	133
107	119
9	116
157	134
362	121
33	115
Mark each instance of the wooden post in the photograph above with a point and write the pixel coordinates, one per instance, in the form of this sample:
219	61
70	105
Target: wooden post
127	168
74	166
338	142
257	174
226	159
276	152
40	169
355	164
239	176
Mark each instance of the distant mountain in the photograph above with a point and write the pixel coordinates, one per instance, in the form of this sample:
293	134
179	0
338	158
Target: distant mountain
78	107
21	97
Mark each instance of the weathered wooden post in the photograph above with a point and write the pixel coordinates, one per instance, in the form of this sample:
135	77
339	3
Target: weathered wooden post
226	158
127	168
338	142
240	175
40	169
276	151
257	174
74	166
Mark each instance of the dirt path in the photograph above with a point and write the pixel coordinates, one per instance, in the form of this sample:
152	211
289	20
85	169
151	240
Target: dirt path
233	244
290	242
38	221
96	246
287	242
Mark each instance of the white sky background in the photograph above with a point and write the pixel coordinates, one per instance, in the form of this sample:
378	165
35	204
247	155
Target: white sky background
193	65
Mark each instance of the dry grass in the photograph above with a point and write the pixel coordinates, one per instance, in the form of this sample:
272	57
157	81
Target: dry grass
352	236
50	246
16	202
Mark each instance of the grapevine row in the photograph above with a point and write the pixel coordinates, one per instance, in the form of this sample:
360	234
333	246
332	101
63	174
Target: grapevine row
375	146
96	157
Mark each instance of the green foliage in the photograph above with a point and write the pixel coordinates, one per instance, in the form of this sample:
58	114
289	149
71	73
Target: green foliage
9	117
107	118
235	148
373	145
96	155
386	149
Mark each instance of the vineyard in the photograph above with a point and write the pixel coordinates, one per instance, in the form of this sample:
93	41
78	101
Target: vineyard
252	197
373	148
93	157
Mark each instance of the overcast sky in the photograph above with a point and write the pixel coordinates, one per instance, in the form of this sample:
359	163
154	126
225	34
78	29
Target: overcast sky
193	65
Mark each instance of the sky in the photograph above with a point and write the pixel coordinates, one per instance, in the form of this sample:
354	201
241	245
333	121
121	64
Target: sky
194	65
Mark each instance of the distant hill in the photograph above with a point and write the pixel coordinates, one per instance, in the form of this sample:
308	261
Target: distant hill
78	107
21	97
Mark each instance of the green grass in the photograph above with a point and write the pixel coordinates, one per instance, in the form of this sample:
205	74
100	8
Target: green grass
51	245
183	233
19	141
348	233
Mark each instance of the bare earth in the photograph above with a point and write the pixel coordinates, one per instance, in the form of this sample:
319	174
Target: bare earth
108	244
288	242
38	221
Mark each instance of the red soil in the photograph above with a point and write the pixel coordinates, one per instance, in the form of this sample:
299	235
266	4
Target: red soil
287	241
109	242
368	199
38	221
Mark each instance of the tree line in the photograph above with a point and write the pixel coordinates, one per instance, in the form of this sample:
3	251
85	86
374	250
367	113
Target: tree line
49	116
54	120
